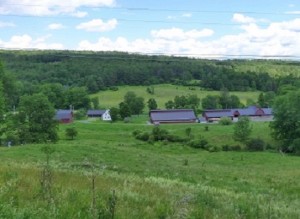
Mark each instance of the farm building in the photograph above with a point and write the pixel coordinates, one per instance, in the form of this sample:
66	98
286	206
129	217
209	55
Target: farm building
255	113
103	114
172	116
64	116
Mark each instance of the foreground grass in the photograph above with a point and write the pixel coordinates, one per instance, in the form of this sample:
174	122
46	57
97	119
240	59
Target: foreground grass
150	180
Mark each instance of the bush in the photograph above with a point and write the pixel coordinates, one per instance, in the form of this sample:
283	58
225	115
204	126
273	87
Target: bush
295	147
255	144
213	148
80	114
144	136
199	143
235	148
225	121
227	147
136	132
113	88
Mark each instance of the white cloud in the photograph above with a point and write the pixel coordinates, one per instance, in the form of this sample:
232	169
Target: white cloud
97	25
240	18
6	24
277	39
50	7
27	42
186	15
179	34
55	26
80	14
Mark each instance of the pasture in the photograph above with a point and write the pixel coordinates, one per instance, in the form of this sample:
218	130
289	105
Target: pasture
162	94
159	180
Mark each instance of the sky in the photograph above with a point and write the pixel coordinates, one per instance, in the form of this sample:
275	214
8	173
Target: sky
193	28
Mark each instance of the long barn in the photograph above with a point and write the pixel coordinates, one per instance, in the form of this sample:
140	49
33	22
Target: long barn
172	116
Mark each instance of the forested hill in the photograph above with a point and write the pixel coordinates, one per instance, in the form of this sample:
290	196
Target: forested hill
100	70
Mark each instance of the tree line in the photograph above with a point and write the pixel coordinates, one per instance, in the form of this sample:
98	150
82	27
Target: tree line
102	70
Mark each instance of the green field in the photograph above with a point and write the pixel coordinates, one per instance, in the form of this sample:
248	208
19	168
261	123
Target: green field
162	94
160	180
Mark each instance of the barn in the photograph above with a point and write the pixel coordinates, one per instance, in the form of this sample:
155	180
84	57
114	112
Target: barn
64	116
172	116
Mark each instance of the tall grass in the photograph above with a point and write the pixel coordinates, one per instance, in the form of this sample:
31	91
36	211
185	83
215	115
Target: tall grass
134	179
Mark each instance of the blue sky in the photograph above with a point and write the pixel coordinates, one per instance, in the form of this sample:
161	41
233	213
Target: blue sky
195	28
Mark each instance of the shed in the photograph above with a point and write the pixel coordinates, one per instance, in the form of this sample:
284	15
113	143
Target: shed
103	114
172	116
95	113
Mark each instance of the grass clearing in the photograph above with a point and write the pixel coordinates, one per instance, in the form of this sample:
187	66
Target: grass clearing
162	94
150	180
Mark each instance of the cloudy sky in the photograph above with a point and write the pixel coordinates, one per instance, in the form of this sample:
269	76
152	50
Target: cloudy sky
197	28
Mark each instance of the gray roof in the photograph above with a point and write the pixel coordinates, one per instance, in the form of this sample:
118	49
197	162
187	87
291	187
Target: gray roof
95	112
63	114
250	111
175	115
217	113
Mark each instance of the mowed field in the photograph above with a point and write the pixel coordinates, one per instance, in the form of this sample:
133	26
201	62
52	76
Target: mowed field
162	94
160	180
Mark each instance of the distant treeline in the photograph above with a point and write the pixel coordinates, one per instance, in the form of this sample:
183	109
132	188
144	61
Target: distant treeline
102	70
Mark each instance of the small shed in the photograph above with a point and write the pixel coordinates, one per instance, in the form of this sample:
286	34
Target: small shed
64	116
103	114
172	116
95	113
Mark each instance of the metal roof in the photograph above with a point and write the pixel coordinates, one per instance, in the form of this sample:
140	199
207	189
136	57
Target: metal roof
63	114
95	112
249	111
175	115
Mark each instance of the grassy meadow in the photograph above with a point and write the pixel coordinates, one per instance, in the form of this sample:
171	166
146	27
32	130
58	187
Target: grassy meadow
160	180
162	94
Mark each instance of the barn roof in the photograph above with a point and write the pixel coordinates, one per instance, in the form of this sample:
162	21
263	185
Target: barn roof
174	115
95	112
249	111
63	114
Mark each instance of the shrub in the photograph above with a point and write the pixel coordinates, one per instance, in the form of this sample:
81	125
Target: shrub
255	144
198	143
113	88
225	147
80	114
235	148
295	147
211	148
136	132
144	136
159	134
225	121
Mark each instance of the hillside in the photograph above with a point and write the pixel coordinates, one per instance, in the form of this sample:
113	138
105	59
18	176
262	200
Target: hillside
101	70
160	180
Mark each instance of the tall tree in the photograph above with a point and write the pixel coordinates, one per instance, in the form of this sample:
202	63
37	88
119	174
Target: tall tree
124	110
135	103
286	124
210	102
38	113
242	129
152	105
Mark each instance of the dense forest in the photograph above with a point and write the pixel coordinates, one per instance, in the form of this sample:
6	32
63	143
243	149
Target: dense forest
102	70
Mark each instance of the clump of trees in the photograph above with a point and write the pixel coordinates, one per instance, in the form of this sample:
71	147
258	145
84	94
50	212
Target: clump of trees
222	101
131	105
190	101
